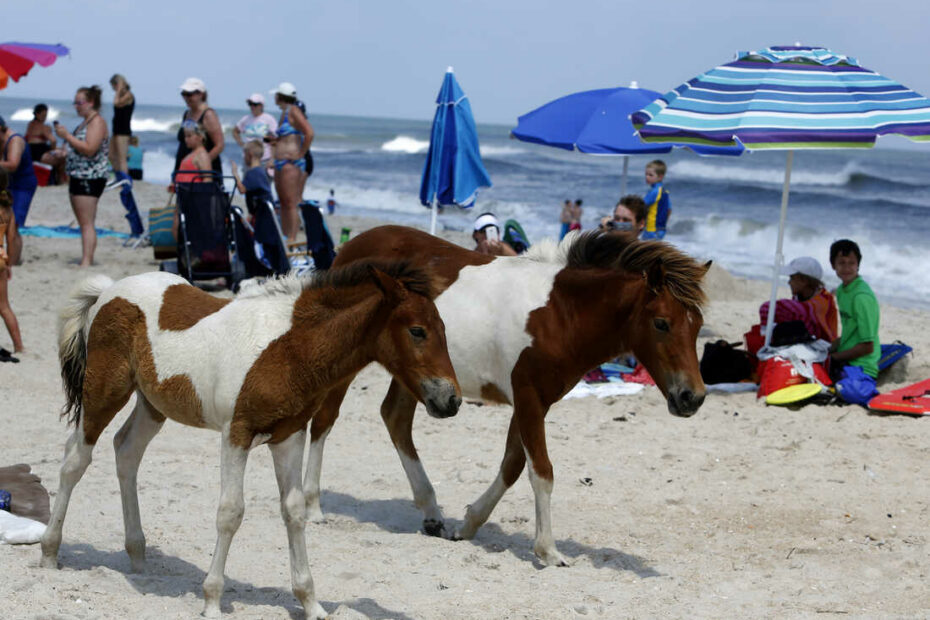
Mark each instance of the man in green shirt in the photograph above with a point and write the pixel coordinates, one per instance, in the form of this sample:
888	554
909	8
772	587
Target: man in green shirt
856	352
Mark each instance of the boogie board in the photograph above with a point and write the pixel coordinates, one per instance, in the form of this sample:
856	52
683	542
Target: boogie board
793	394
913	399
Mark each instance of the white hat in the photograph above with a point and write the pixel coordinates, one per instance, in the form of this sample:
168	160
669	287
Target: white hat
192	84
486	219
806	265
256	98
285	88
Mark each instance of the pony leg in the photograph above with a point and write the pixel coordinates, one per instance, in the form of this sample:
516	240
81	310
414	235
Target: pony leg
397	411
77	457
228	518
320	426
477	514
288	459
130	444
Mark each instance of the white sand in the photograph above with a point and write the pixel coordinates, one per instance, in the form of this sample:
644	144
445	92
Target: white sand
743	511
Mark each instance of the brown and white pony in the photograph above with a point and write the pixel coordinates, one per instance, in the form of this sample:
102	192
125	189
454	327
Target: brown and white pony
523	331
255	368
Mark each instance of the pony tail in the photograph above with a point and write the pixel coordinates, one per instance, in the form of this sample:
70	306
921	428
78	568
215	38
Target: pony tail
72	341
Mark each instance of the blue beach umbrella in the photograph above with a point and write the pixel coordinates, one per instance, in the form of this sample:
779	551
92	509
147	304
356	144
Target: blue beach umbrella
453	171
598	122
785	98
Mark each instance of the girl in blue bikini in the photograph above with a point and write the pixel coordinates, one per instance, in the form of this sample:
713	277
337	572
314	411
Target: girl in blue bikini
291	145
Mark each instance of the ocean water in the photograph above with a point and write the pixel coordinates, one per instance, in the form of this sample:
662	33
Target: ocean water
722	208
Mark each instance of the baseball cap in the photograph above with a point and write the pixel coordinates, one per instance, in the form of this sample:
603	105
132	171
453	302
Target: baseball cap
486	219
806	265
256	98
285	88
192	84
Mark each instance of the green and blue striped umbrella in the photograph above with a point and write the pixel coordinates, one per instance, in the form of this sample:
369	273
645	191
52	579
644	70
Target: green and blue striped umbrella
785	98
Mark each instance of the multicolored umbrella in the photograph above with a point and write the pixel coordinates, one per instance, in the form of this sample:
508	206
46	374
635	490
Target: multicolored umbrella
597	122
786	98
453	171
16	59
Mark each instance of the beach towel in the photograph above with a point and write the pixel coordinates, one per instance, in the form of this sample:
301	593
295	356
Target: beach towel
28	497
66	232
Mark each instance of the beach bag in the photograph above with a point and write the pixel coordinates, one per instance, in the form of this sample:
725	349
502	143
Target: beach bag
856	387
722	362
777	373
163	242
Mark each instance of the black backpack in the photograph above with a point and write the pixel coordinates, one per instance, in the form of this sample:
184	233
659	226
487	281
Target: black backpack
722	362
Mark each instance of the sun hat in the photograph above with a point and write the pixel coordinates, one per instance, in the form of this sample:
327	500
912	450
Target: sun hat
805	265
484	220
193	84
285	88
256	98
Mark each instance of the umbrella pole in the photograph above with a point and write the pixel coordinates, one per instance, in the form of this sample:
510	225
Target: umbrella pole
432	222
626	168
779	257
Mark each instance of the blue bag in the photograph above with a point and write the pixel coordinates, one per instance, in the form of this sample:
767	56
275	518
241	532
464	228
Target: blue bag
856	387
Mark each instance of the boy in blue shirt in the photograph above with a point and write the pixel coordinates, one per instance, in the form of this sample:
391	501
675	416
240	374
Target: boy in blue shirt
255	184
856	352
658	205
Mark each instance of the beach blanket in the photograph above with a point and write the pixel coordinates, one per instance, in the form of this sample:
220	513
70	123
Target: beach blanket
29	497
63	232
603	390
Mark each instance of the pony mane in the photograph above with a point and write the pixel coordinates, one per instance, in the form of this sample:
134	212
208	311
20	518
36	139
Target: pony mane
683	274
546	250
414	280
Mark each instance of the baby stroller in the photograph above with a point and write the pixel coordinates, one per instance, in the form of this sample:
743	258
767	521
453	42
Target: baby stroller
207	239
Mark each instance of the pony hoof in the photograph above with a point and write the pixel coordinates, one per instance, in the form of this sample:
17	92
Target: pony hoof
317	613
552	558
48	562
434	527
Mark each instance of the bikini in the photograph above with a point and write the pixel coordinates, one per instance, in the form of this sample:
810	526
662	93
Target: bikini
286	129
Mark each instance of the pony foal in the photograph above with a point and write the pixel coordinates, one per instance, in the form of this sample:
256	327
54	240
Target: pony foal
254	368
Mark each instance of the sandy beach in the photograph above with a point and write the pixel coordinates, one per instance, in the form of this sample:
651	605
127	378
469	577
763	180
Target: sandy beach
742	511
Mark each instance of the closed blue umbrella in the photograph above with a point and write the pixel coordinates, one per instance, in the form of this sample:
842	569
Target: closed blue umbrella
598	122
786	98
453	171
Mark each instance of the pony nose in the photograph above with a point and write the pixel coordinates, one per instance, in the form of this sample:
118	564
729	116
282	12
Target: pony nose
441	397
687	402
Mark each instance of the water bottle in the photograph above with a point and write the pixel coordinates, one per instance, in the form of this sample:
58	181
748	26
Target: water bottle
345	235
5	500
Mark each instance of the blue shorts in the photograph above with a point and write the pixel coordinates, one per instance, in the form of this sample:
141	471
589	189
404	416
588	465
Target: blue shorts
659	234
855	386
22	198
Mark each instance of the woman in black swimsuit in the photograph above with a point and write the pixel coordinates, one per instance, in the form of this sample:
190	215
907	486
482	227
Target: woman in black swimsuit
194	92
123	105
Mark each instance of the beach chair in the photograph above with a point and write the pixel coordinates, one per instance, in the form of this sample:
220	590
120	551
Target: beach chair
319	242
270	247
207	245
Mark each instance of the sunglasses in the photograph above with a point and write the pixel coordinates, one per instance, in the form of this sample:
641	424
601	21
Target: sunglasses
189	93
251	103
82	102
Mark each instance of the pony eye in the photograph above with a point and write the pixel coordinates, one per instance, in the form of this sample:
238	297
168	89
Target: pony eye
661	325
418	332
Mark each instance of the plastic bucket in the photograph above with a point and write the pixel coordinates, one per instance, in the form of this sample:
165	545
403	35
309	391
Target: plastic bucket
43	173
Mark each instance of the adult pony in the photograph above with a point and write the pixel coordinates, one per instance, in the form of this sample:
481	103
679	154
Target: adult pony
254	368
523	331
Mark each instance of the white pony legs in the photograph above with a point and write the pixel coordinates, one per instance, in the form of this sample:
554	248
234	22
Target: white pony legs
228	518
424	496
130	444
544	546
476	514
77	458
312	478
288	460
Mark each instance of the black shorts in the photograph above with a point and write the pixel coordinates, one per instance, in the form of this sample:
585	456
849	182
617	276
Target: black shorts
87	187
135	174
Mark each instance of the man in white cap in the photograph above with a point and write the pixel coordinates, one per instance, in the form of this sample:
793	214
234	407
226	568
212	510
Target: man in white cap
487	236
805	277
255	125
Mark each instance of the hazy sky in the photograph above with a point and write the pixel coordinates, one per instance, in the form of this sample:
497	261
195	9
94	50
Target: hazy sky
387	57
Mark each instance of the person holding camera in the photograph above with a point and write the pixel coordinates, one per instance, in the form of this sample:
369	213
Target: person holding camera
487	236
629	216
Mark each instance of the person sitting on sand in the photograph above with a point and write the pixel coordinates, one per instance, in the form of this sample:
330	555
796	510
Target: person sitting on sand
487	236
856	352
7	228
805	279
629	215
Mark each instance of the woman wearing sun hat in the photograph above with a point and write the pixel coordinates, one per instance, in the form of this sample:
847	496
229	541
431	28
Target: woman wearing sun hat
291	142
194	92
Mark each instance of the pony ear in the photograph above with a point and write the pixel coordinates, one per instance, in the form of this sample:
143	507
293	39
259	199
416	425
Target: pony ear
394	292
707	265
655	276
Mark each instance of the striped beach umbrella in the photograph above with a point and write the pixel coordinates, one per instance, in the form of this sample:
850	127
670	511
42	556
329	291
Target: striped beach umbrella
786	98
16	59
